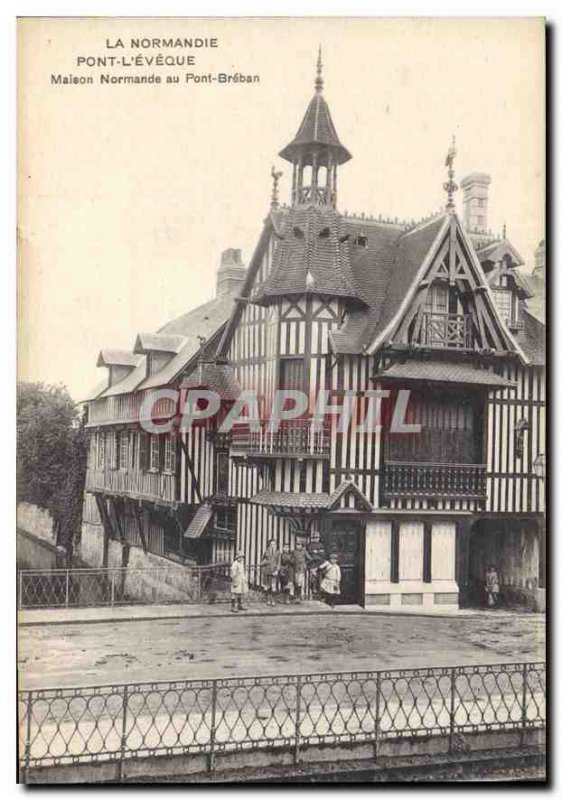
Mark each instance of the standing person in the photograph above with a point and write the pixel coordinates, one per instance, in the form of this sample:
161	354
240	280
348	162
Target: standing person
269	571
301	559
239	583
492	586
330	584
316	556
287	574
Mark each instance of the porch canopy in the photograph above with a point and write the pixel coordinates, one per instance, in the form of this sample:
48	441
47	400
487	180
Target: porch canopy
345	497
199	522
439	372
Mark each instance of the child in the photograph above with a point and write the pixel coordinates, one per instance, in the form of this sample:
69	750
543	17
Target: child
330	584
300	561
287	574
492	586
239	583
269	570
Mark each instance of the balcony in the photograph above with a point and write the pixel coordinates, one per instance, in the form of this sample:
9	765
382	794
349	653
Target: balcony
157	486
300	438
446	330
411	479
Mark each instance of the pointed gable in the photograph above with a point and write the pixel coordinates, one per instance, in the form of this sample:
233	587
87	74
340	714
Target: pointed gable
440	251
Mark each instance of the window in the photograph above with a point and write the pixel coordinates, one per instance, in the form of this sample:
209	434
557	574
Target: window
133	450
225	520
438	298
111	451
143	452
123	450
101	450
154	453
503	301
221	476
291	373
514	308
169	454
480	221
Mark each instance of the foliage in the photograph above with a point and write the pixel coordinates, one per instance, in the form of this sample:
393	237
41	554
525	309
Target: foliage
52	449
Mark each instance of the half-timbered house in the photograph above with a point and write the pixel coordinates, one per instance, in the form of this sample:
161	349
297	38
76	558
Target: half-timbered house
361	308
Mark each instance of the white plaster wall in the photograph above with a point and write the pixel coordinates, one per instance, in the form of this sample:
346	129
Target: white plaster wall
35	520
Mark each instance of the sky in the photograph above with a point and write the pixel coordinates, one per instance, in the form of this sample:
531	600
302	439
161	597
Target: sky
127	194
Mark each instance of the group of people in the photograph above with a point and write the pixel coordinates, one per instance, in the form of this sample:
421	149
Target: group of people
283	572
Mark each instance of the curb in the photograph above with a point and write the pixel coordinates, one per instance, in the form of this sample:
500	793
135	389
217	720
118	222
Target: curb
250	613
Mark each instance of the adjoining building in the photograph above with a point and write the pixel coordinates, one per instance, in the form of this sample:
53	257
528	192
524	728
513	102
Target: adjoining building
353	304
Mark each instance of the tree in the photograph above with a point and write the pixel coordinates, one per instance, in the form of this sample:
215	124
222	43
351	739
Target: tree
51	455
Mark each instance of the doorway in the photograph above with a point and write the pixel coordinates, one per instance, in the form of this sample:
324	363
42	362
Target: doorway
346	537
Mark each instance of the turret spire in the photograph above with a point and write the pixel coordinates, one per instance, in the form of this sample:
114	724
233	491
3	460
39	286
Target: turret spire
275	174
451	186
316	151
319	82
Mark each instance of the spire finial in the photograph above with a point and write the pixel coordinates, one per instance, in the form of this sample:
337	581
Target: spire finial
450	185
504	232
319	82
275	174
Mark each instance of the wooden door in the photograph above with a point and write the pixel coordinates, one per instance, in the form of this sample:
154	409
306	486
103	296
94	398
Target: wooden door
346	537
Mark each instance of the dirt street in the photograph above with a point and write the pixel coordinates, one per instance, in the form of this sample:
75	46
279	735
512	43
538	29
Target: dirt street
171	649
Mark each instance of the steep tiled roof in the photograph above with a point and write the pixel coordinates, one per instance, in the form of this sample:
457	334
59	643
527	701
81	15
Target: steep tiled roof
158	343
118	358
496	250
388	269
313	255
316	128
206	320
219	378
532	338
443	372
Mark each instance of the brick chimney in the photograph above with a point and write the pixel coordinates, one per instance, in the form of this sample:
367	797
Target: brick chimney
231	273
475	201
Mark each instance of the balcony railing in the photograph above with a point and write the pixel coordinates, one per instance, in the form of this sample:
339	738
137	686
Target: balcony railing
409	479
446	330
135	483
301	437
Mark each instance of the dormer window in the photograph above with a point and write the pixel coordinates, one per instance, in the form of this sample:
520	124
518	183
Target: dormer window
324	233
298	232
503	300
361	241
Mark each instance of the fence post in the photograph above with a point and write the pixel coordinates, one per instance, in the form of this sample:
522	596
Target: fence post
452	711
296	757
27	750
67	589
524	705
377	717
123	746
211	762
20	589
112	587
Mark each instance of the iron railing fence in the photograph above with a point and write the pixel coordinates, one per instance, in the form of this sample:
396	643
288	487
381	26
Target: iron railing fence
111	586
58	726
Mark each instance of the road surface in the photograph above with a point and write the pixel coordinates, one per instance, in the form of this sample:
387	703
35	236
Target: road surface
179	649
